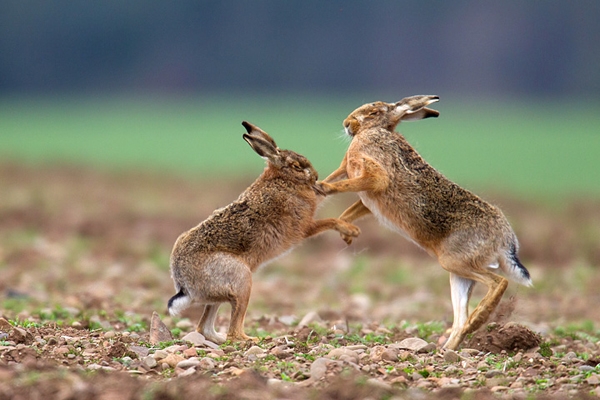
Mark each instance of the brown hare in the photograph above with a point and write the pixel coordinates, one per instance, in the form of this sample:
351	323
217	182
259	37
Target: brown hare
213	262
469	237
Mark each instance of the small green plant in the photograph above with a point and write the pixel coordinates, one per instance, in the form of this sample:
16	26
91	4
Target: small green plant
176	332
545	350
285	377
425	330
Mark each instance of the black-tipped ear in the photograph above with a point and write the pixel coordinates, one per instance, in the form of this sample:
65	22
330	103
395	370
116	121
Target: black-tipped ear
262	147
246	125
255	131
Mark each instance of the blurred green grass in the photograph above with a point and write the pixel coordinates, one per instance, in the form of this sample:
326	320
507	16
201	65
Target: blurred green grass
549	148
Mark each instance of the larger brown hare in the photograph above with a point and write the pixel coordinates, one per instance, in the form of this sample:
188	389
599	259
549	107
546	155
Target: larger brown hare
470	238
213	262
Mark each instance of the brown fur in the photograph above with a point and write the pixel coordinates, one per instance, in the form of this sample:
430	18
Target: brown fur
213	262
467	235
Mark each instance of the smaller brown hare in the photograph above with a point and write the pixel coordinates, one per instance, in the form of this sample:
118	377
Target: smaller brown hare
470	237
213	262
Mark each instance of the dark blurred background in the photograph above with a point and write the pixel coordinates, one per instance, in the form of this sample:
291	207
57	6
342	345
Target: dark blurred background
486	48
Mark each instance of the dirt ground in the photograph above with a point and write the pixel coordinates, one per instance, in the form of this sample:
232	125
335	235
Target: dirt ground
84	265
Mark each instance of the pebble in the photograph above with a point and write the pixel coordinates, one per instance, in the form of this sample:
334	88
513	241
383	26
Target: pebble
191	352
109	334
160	354
309	318
172	360
279	352
451	356
593	380
149	362
190	362
186	372
318	368
376	383
287	319
211	345
184	324
196	338
254	351
414	344
390	354
493	373
175	348
140	351
342	351
206	363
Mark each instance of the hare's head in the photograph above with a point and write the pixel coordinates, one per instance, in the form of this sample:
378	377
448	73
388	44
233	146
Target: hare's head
388	115
285	163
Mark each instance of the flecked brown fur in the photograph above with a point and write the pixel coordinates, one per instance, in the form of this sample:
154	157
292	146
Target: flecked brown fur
467	235
213	262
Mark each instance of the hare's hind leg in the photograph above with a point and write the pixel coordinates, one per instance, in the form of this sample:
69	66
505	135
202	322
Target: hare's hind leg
460	289
239	299
496	286
206	325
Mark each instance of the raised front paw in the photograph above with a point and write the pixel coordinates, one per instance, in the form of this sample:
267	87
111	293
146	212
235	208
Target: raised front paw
348	231
324	188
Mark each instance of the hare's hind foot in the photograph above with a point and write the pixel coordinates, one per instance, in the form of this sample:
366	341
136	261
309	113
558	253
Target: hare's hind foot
242	337
214	337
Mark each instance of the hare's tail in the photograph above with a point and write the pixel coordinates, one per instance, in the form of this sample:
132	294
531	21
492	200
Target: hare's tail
514	269
178	303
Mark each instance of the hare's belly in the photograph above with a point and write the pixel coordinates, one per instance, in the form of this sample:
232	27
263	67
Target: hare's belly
383	219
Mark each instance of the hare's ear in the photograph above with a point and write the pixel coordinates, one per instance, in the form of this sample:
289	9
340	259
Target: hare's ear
415	107
421	114
263	148
255	131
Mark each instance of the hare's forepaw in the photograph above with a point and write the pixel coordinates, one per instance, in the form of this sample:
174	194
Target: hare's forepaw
347	239
348	232
324	188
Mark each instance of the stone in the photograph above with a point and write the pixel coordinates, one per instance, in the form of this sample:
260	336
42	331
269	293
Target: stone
376	383
191	352
5	326
413	344
318	368
254	351
160	354
149	362
342	351
287	319
109	334
206	363
428	348
593	380
451	356
139	351
184	324
309	318
279	352
210	345
20	335
186	372
390	354
172	360
377	352
158	330
195	338
190	362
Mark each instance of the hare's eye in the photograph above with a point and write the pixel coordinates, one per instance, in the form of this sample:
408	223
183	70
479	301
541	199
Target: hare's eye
297	167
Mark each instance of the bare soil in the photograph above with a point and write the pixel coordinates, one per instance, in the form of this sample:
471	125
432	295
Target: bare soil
84	264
